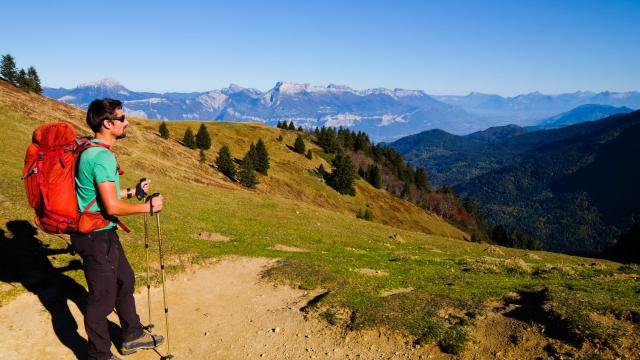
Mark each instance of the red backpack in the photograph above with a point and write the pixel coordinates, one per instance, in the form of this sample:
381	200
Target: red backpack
49	180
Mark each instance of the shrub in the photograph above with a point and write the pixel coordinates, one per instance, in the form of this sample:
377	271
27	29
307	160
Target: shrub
299	146
164	130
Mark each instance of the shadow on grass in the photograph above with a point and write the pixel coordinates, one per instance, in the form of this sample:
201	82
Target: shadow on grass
24	259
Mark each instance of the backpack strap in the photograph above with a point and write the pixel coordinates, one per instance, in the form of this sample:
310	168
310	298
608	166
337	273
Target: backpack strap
114	219
85	143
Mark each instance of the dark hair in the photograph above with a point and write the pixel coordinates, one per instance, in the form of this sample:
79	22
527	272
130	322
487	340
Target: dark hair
100	110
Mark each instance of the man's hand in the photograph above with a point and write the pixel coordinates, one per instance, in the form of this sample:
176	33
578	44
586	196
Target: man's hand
142	188
155	203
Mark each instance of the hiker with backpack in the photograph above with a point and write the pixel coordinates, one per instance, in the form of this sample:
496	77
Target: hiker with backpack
108	273
73	184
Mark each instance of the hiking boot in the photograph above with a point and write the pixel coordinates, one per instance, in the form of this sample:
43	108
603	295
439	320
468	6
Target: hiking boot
146	341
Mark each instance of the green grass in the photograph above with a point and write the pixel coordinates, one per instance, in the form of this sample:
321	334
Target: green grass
452	280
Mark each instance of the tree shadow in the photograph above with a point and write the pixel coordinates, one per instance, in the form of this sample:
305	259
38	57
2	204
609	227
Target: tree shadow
24	259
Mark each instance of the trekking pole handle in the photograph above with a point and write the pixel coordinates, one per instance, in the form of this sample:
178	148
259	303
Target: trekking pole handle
150	200
140	193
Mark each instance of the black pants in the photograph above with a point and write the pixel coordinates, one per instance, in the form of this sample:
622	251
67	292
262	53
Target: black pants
111	285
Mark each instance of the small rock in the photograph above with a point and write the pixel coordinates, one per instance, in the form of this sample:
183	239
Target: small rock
276	330
206	333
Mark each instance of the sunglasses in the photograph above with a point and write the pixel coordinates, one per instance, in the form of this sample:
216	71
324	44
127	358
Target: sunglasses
118	118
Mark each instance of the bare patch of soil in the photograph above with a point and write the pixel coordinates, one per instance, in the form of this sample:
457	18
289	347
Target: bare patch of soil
285	248
216	237
396	291
492	249
372	272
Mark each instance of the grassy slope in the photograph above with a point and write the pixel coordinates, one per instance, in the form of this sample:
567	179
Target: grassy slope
292	207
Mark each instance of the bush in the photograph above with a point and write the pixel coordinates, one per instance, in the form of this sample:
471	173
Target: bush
299	146
164	130
188	139
309	155
454	340
365	215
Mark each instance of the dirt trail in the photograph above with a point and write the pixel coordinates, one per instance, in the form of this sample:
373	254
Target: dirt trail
221	311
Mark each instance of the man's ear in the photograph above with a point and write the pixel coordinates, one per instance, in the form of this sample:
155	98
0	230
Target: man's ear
107	124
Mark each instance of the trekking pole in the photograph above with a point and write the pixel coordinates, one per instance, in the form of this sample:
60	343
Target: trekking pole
164	288
141	194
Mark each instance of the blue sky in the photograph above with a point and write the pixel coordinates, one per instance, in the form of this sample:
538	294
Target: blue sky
445	47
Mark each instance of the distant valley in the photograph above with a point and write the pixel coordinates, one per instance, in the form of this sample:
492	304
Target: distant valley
572	188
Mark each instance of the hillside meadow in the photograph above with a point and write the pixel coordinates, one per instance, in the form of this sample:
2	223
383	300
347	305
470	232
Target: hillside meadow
407	270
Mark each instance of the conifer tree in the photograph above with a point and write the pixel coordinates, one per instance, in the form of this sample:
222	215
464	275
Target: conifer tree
164	130
279	125
291	126
300	128
309	155
21	80
203	139
33	80
188	140
298	146
421	180
374	177
262	157
343	175
246	176
8	68
225	164
252	155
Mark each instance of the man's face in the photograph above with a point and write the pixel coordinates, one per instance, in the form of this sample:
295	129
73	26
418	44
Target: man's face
119	127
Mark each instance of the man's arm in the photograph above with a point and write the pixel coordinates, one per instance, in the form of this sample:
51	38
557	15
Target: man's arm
117	207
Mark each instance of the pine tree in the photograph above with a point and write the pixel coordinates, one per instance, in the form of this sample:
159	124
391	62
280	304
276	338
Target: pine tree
374	177
33	80
203	139
309	154
343	175
225	164
300	128
21	80
279	126
262	157
298	146
8	68
203	157
188	140
164	130
421	180
246	176
291	126
252	155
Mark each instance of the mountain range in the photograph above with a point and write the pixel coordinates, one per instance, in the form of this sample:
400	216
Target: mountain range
573	188
382	113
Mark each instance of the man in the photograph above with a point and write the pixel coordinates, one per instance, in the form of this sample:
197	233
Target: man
107	270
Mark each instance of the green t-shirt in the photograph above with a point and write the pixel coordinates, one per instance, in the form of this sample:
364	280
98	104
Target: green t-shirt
96	165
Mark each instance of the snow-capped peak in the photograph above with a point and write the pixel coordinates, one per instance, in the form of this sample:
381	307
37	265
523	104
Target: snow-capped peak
109	83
